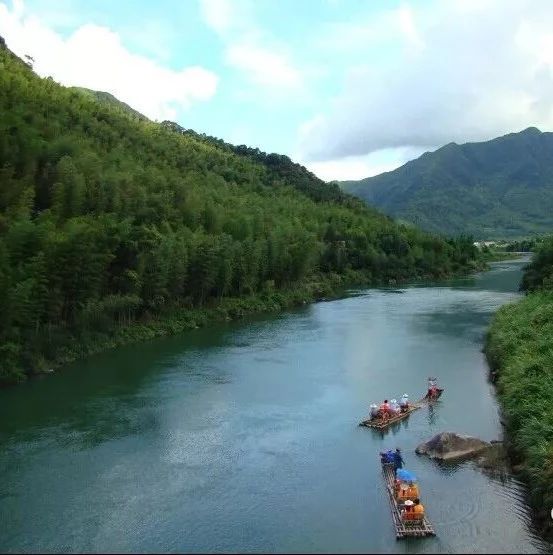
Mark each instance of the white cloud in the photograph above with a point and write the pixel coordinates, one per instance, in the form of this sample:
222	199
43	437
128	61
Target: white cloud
463	71
264	62
264	67
409	28
218	14
385	29
359	167
94	57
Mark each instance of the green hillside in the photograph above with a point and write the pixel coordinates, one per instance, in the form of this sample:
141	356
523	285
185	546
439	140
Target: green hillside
114	228
495	189
111	101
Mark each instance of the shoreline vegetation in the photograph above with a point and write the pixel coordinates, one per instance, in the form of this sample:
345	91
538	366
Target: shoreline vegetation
116	229
519	350
499	256
179	320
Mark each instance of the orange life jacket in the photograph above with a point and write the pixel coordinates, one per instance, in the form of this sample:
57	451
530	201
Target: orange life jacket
413	491
411	515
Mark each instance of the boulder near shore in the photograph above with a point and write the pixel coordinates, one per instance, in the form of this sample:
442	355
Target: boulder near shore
449	446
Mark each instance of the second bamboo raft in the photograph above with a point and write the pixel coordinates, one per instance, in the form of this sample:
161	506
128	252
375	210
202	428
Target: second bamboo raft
411	528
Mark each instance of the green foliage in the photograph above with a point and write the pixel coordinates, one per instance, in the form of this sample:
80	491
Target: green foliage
279	168
111	223
496	189
111	101
539	273
519	348
529	244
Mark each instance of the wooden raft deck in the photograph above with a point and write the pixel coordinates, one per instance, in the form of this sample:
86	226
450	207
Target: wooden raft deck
381	423
412	528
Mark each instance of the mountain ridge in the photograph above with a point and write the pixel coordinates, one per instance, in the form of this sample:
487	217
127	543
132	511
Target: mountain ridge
491	189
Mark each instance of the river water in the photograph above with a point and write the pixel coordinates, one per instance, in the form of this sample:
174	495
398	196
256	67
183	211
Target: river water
244	436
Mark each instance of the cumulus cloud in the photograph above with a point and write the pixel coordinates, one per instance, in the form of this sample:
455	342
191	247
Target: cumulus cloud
264	67
94	57
264	62
464	71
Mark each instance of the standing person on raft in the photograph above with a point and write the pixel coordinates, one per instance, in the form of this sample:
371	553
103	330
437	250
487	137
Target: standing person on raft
432	388
398	460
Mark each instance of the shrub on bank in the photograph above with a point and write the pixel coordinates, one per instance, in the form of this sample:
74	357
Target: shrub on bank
519	348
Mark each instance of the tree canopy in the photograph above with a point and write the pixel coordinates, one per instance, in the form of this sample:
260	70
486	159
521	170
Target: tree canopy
107	218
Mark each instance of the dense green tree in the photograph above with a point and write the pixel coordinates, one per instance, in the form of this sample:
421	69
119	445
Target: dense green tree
539	273
108	219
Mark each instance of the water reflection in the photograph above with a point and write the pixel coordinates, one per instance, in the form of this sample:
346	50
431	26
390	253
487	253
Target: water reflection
466	315
244	437
117	394
431	418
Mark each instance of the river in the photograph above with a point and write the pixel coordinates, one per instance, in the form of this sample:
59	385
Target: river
244	436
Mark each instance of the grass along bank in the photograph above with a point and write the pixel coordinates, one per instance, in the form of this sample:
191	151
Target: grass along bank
519	349
62	347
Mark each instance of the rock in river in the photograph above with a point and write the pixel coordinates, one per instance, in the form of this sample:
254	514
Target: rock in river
449	446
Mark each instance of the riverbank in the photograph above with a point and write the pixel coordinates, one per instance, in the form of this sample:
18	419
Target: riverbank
215	431
183	319
66	346
520	355
498	256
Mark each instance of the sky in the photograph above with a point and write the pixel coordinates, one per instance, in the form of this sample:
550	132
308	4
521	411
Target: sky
348	88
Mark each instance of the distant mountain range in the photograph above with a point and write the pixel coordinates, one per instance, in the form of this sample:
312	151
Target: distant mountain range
501	188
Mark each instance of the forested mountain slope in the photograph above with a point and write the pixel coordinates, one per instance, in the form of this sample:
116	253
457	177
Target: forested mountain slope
107	220
494	189
279	167
110	100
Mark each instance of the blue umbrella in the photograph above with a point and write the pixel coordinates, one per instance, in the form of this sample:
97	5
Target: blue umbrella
405	475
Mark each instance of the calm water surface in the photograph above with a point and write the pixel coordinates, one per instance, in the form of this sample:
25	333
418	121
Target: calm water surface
244	437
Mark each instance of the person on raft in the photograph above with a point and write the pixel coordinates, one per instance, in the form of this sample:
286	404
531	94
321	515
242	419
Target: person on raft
404	403
418	509
432	389
398	460
407	510
373	409
385	411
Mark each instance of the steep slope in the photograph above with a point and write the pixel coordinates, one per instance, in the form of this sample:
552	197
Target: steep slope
109	223
493	189
109	99
279	167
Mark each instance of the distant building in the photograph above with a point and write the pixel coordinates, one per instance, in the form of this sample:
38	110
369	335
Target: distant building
482	244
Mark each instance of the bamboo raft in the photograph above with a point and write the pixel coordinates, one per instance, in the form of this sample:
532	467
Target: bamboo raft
404	529
381	423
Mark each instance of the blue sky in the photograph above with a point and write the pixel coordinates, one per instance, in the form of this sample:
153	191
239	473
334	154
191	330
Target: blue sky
347	87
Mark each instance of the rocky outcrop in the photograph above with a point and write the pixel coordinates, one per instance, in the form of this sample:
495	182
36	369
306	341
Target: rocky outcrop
449	446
